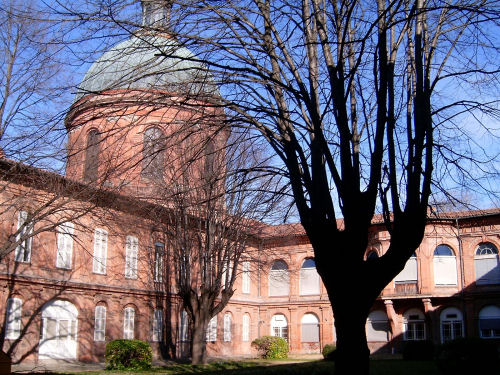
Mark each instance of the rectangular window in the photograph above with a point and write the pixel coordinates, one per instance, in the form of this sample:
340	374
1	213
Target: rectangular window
13	321
128	323
183	327
212	330
65	245
100	323
159	255
100	251
227	327
414	331
245	334
157	325
245	277
131	252
24	237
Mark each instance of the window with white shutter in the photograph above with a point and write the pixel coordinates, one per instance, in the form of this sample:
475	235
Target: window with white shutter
409	272
445	266
183	326
279	279
13	321
212	330
245	328
309	328
489	322
487	264
245	277
131	253
227	327
128	323
159	255
100	323
309	278
157	325
377	327
100	250
64	245
24	237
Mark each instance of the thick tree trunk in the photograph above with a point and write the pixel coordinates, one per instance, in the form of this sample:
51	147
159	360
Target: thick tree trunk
352	355
199	347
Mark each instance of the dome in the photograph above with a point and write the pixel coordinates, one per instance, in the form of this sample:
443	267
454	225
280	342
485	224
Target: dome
148	62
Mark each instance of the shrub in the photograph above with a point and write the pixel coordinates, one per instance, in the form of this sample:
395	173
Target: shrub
329	352
466	356
271	347
418	350
128	355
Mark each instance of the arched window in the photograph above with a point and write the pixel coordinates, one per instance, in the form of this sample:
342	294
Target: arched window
309	328
486	264
445	266
406	280
377	326
245	328
414	325
227	327
153	161
212	330
489	322
279	326
452	326
128	323
309	278
91	168
13	319
279	279
59	331
100	323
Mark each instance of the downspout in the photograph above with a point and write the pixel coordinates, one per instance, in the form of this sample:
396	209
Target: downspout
259	251
462	276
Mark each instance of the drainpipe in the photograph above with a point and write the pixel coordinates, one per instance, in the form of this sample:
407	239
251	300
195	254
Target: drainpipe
462	276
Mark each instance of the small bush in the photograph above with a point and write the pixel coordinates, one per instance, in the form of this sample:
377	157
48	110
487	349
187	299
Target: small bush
418	350
271	347
466	356
329	352
128	355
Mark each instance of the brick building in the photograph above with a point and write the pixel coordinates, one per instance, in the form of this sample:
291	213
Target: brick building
86	270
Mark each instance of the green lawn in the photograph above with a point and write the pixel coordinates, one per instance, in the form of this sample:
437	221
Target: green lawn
378	367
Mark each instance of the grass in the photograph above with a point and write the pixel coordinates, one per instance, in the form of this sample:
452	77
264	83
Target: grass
377	367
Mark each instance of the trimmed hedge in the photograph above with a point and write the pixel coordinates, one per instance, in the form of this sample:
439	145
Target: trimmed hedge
329	352
418	350
128	355
468	356
271	347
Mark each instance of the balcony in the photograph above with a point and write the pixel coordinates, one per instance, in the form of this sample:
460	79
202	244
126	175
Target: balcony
405	288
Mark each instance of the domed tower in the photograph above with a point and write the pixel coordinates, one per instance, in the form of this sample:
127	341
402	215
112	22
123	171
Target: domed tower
145	112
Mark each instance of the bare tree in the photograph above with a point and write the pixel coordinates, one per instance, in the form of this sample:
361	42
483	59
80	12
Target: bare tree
361	102
215	204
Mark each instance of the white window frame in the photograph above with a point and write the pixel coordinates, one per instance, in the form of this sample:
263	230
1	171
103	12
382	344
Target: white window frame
25	236
451	317
131	254
100	251
64	256
245	328
157	325
279	326
489	312
245	277
100	323
128	323
13	318
410	326
492	257
227	327
211	335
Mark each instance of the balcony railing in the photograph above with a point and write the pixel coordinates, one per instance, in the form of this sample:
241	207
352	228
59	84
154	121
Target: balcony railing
406	288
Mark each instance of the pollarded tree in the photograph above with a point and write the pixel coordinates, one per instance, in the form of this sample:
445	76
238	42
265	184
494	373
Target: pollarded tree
360	101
